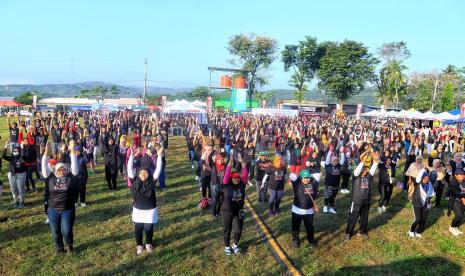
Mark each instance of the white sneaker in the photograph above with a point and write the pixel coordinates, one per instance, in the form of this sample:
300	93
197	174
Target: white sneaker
458	231
325	209
331	210
250	183
192	166
380	210
83	204
454	231
417	235
384	208
411	234
236	249
196	178
47	221
75	205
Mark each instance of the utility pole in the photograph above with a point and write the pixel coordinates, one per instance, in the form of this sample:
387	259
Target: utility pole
145	81
434	94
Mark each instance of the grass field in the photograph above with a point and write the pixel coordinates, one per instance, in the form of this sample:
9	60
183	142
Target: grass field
187	242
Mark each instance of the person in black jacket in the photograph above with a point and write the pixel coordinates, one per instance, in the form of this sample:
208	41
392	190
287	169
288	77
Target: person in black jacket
61	190
110	151
303	206
30	158
217	176
16	173
361	193
232	212
457	201
386	183
144	210
82	160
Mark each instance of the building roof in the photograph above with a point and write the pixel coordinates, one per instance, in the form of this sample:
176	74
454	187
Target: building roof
9	102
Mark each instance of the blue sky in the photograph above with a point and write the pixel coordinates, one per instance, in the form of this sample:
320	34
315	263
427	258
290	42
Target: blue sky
108	40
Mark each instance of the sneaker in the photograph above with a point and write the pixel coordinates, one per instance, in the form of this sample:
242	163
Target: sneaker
363	235
139	249
296	244
325	209
411	234
196	178
236	249
59	251
227	250
149	248
192	166
458	231
380	210
75	204
70	249
347	238
453	230
384	208
331	210
418	235
83	204
47	221
20	205
250	183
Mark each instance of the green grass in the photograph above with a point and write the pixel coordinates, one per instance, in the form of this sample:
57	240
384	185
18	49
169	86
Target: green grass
188	242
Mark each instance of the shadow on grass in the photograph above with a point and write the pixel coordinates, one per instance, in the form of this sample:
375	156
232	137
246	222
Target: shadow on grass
414	266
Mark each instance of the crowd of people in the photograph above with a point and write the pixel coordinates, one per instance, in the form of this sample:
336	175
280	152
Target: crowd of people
229	152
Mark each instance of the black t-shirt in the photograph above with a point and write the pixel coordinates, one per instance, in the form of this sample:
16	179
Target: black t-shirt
56	135
262	167
333	175
14	133
362	189
277	177
233	197
301	199
144	194
61	193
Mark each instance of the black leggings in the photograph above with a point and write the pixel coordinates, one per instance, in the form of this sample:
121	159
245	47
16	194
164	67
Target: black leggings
29	171
385	193
345	180
231	221
458	209
438	190
110	176
308	222
217	198
140	228
421	214
82	189
205	184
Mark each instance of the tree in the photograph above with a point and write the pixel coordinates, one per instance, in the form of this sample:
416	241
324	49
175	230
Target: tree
100	92
27	97
266	96
345	68
422	88
255	53
446	100
392	79
152	99
200	92
304	60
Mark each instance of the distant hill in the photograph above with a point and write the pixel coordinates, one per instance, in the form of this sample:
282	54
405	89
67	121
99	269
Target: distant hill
367	96
71	90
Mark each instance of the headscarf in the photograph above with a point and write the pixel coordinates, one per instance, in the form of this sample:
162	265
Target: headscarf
219	167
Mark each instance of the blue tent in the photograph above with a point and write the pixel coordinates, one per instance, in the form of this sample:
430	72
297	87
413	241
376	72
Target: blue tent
455	112
460	120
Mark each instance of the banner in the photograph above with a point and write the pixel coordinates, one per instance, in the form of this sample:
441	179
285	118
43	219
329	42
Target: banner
209	104
238	100
275	112
359	111
34	101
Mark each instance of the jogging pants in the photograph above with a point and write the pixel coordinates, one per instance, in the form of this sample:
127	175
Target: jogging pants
330	195
385	193
358	211
458	209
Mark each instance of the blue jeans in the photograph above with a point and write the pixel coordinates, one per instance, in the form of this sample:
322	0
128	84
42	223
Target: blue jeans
161	178
61	223
191	156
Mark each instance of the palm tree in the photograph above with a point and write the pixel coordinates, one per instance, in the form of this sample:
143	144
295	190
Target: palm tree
396	77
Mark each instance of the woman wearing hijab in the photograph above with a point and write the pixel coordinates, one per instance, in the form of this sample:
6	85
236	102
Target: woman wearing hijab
61	190
217	176
144	210
457	201
16	174
421	201
110	151
232	211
